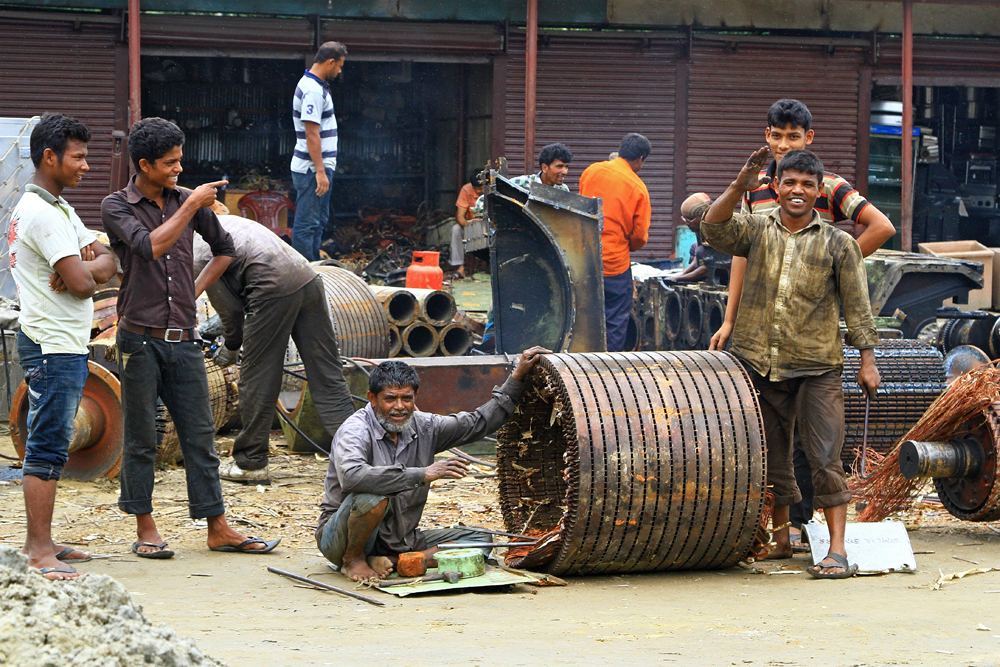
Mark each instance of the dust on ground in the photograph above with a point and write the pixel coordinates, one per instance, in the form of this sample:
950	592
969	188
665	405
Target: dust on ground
237	611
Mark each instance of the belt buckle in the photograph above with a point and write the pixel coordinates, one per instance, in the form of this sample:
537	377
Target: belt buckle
169	335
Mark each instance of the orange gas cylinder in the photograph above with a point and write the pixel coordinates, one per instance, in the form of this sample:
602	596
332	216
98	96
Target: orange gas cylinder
424	272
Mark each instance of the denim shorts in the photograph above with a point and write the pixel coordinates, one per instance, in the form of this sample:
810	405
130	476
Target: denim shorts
55	387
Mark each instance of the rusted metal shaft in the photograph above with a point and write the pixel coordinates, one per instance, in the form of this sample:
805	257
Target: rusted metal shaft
958	458
631	462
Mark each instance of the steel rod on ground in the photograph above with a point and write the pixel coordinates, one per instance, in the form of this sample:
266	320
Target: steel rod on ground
328	587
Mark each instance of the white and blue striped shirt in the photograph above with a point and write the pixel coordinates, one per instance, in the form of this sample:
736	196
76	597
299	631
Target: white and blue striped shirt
313	103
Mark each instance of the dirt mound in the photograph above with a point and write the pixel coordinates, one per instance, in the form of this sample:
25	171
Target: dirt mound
90	622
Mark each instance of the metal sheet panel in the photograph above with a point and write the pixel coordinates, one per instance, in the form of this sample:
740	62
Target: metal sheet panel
733	86
946	61
592	90
411	37
32	83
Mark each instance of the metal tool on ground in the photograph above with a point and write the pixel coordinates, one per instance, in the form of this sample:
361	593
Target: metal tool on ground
633	462
328	587
483	545
450	577
478	529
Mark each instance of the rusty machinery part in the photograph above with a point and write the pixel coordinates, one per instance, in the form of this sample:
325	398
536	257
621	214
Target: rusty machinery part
435	306
912	378
98	431
419	339
400	305
548	275
220	389
632	340
454	340
693	319
672	307
395	341
631	462
715	316
963	359
978	328
358	318
964	469
105	310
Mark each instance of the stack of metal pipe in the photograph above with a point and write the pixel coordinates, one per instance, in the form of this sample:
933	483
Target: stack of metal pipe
421	322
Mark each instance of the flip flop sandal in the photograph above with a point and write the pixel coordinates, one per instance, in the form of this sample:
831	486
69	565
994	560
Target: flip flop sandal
66	552
839	561
63	570
242	546
162	551
799	548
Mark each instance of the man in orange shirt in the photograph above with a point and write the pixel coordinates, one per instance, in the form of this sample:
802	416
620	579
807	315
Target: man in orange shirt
626	227
464	214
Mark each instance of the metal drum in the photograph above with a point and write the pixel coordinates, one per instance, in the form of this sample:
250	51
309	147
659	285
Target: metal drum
912	378
358	318
632	462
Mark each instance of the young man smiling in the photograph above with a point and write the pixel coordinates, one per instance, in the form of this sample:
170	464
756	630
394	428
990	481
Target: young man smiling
57	264
151	225
800	273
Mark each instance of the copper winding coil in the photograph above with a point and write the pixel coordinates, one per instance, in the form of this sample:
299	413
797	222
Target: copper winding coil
631	462
359	321
977	497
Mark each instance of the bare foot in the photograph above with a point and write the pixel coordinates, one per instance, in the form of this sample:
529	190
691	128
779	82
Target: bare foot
828	566
73	555
358	570
779	553
221	534
382	566
48	559
147	532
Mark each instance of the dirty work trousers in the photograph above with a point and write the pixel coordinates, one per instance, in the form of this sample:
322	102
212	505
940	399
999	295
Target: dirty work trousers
617	306
332	536
816	405
175	372
457	245
304	316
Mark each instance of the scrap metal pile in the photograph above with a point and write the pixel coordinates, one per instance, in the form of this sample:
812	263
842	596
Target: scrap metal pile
631	462
422	322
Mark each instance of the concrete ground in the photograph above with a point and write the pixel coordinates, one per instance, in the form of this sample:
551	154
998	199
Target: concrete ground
238	612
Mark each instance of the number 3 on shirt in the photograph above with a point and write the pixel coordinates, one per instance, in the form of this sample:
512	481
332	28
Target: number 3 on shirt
309	108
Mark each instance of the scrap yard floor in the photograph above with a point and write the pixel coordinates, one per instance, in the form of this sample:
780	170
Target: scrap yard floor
773	614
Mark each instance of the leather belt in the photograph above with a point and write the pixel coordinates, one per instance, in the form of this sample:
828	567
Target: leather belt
169	335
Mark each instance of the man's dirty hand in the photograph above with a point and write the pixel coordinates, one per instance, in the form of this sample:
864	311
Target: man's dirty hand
869	378
224	357
527	361
750	178
454	467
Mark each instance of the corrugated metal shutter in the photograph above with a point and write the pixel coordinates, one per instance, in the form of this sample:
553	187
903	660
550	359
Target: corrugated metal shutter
31	84
591	92
730	92
944	61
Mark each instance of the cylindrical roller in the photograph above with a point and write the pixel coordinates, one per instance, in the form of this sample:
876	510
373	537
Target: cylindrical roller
694	315
435	306
400	305
912	378
631	462
395	341
976	497
358	318
420	339
673	316
958	458
220	397
455	340
96	448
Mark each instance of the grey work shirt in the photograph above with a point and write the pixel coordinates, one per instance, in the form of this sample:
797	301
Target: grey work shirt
265	267
364	459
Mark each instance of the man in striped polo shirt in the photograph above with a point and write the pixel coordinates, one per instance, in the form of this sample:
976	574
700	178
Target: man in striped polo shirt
315	156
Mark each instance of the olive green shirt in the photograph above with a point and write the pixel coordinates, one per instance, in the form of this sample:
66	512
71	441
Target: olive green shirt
788	323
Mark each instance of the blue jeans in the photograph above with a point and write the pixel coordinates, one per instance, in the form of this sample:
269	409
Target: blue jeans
311	214
55	387
617	306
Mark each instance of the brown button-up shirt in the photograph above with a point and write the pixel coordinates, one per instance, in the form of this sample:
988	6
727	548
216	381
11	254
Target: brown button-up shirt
364	459
788	323
158	293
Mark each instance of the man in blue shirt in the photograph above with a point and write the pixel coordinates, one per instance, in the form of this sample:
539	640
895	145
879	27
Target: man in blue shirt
315	157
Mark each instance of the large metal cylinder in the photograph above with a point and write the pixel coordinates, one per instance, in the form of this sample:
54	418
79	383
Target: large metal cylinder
399	304
634	462
912	378
958	458
224	398
359	321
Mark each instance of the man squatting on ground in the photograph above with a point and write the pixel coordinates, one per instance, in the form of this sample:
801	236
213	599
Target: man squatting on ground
151	223
789	127
382	464
627	214
57	264
800	273
314	159
269	293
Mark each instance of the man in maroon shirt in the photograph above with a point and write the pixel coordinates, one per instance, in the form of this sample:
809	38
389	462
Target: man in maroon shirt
150	224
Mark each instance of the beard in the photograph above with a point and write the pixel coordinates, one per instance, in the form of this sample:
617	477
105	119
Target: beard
389	425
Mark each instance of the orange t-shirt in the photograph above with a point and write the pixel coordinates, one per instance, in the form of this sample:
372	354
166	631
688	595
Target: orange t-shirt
626	211
467	197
